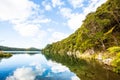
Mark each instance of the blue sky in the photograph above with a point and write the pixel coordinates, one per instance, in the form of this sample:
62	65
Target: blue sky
36	23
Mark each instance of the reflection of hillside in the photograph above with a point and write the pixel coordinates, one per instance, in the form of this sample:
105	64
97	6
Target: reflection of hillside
85	69
31	54
0	59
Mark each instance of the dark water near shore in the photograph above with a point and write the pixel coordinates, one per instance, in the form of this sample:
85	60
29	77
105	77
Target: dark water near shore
34	66
86	69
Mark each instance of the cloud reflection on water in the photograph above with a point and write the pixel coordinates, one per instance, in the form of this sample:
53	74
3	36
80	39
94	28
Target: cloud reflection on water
48	70
22	74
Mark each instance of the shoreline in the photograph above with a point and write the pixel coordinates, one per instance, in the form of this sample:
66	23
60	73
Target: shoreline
3	54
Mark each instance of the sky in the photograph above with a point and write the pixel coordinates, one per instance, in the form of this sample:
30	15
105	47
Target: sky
36	23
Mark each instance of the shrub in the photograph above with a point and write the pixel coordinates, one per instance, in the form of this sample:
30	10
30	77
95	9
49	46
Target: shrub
114	49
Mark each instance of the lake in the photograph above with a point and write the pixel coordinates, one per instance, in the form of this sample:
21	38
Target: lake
25	66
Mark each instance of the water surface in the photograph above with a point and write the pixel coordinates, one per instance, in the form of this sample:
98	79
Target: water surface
33	67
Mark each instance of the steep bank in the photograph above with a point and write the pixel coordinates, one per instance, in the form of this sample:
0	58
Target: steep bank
99	33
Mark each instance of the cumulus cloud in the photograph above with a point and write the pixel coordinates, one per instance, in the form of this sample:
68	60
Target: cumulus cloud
22	74
26	19
76	3
75	78
40	20
27	73
39	70
34	69
57	67
56	36
66	12
57	3
74	19
27	29
93	4
47	5
50	30
40	36
12	10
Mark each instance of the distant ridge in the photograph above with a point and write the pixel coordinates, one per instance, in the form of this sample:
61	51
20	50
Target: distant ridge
5	48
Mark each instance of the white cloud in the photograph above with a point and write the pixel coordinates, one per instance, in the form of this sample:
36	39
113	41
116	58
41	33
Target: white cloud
57	3
27	29
22	74
47	5
74	19
27	73
36	69
39	70
57	36
75	78
66	12
76	3
93	5
39	39
57	67
50	30
16	9
25	16
41	36
41	20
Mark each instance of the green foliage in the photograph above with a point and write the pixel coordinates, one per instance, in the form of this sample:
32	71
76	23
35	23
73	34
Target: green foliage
116	63
114	49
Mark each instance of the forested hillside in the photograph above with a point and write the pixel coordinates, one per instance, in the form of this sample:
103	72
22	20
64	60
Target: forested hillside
4	48
99	31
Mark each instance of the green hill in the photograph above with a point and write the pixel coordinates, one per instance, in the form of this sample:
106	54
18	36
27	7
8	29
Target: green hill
99	37
99	31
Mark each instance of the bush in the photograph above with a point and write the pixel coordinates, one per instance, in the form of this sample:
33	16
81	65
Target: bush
114	49
116	63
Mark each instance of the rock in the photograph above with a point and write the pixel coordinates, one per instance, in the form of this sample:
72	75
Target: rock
99	57
69	53
89	52
107	61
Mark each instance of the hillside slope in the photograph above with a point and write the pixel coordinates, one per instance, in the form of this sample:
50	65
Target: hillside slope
99	31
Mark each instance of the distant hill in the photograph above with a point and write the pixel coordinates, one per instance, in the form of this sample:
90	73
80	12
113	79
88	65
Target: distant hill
4	48
99	31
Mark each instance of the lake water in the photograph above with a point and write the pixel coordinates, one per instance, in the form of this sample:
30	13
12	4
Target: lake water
33	67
